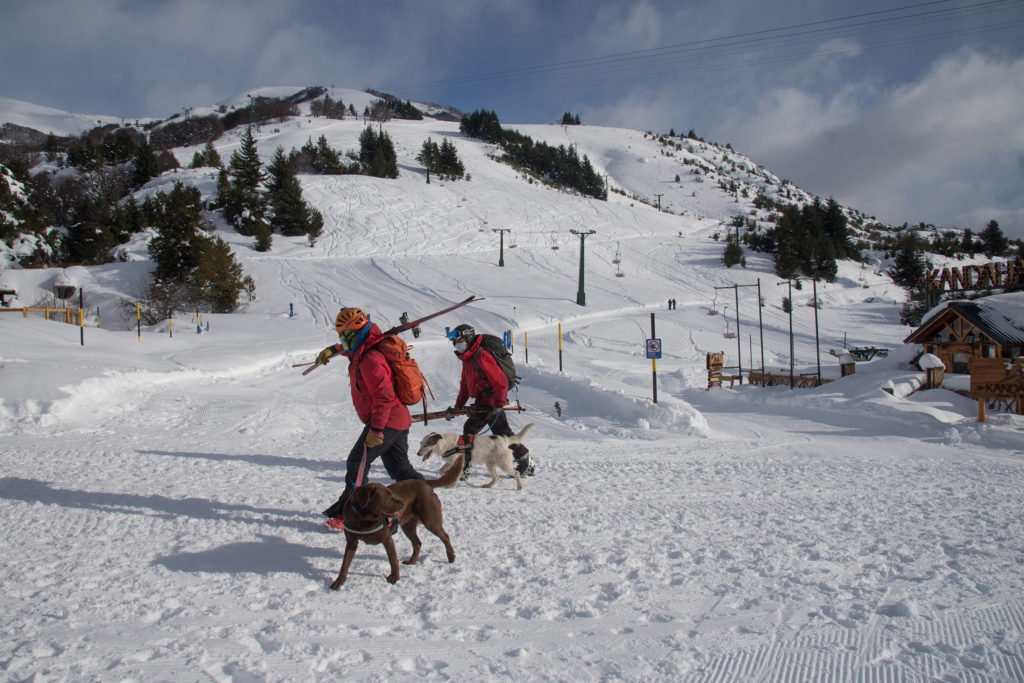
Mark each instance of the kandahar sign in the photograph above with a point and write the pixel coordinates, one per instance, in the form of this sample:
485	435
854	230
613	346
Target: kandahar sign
985	276
997	378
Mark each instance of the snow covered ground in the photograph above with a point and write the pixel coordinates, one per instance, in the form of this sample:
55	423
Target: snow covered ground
161	496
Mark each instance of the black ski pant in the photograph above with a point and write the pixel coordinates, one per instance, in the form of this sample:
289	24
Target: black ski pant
393	452
481	417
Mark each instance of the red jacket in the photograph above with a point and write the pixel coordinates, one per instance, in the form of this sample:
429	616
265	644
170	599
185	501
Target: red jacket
373	389
482	379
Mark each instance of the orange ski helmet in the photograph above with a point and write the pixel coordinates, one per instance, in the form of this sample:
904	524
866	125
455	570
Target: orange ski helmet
350	319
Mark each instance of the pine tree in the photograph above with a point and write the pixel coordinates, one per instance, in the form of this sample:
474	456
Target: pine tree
328	159
248	206
145	166
315	226
733	253
429	154
450	164
225	199
834	223
909	266
175	246
211	157
218	279
245	167
260	229
289	213
992	240
968	245
377	154
787	234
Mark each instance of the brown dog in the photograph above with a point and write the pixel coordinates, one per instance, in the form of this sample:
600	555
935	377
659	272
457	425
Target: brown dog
373	508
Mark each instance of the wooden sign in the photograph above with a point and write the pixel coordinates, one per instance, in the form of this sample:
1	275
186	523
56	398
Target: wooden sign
997	378
715	362
986	276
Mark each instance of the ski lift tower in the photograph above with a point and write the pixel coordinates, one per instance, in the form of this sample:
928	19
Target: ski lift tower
581	295
501	239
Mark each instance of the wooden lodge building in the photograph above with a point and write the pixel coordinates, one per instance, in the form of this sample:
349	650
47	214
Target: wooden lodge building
958	332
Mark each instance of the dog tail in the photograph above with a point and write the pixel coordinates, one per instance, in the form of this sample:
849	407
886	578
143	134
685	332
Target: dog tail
451	477
518	438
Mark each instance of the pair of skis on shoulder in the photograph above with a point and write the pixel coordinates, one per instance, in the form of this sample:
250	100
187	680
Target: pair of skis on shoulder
401	328
516	407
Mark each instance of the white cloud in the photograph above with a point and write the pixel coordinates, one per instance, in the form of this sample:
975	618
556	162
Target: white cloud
923	151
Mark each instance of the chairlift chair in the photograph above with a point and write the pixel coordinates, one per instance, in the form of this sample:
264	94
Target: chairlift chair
618	255
728	334
714	305
554	243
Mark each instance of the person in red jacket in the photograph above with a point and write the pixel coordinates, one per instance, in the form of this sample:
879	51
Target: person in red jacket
386	419
483	381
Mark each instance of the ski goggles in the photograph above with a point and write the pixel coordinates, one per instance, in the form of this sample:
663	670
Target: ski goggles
455	335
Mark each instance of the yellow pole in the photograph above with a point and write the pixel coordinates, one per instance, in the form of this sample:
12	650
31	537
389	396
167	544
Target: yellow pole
559	347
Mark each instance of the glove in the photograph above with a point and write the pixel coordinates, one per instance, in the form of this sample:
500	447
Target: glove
374	439
325	355
449	413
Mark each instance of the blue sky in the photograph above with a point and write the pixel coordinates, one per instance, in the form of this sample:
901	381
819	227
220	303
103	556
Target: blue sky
908	111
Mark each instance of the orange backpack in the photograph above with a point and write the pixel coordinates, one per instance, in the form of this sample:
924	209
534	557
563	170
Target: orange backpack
407	378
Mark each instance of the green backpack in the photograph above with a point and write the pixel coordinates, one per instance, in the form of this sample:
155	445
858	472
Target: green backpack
496	347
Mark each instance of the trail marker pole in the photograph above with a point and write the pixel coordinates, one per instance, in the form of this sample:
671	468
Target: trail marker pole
559	347
817	347
760	325
790	281
653	346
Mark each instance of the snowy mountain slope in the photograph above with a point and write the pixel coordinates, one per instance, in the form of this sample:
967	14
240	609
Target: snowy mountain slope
162	494
409	243
49	120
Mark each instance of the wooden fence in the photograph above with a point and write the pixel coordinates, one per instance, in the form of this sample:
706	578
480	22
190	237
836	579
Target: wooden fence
781	379
70	315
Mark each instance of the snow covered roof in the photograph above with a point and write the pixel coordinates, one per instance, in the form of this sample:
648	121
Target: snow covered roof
1000	316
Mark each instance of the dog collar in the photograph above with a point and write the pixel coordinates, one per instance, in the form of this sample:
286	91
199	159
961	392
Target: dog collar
386	524
374	530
